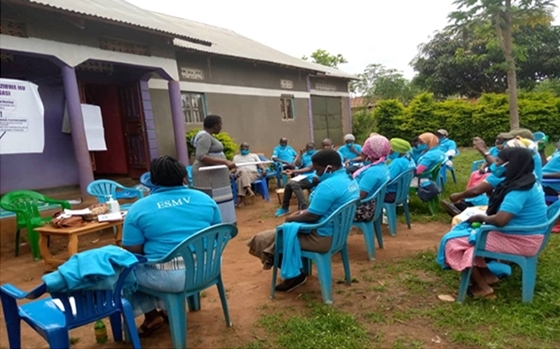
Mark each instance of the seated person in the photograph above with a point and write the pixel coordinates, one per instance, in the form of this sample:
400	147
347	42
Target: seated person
551	170
447	146
245	175
284	154
416	152
401	161
297	187
517	201
373	176
303	160
430	158
335	189
350	149
158	223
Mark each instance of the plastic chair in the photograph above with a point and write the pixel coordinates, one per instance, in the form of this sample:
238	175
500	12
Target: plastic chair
261	185
189	175
146	181
550	198
202	256
374	224
274	172
341	221
401	198
443	173
476	165
538	136
53	324
25	204
103	188
528	264
434	175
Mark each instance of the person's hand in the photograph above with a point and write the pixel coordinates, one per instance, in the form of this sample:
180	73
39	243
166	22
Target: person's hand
479	144
315	179
301	151
353	150
346	163
455	197
264	172
480	218
288	172
231	165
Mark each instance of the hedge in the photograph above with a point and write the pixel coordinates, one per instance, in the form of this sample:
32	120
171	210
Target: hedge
463	119
230	147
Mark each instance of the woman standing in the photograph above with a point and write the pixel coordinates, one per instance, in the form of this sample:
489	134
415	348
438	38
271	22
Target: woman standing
216	183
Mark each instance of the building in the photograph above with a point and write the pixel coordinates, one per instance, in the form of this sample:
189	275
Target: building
153	77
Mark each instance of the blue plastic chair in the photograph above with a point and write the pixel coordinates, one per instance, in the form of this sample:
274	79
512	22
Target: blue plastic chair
476	165
261	186
550	198
401	198
189	176
53	324
443	173
202	256
528	264
103	188
538	136
374	225
341	221
275	172
146	181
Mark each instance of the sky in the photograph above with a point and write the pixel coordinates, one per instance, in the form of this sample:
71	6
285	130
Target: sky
386	32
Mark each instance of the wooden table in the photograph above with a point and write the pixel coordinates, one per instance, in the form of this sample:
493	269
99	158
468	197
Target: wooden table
72	234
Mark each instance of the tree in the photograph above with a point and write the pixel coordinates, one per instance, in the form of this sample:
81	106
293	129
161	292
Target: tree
505	17
323	57
378	82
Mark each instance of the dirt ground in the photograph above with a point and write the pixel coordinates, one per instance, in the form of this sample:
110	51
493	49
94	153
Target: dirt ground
247	285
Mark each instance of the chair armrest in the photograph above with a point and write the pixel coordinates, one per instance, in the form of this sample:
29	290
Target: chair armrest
16	293
550	180
483	231
63	203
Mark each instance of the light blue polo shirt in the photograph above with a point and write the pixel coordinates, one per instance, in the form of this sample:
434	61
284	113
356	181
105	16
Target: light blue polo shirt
528	207
538	167
446	144
306	159
166	217
286	153
431	158
347	153
398	166
416	154
494	151
553	166
372	178
330	195
493	180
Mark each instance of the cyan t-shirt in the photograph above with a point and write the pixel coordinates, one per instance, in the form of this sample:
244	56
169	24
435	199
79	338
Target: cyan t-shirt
306	162
432	158
347	153
416	154
553	166
286	153
330	195
494	151
538	167
528	207
493	180
166	217
398	166
372	178
446	144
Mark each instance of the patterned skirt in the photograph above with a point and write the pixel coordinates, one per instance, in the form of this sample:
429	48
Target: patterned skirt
217	185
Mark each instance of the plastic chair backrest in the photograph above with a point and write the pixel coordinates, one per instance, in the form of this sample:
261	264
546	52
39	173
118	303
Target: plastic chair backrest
378	196
402	181
202	254
145	180
341	221
25	203
476	164
538	136
189	174
553	214
103	188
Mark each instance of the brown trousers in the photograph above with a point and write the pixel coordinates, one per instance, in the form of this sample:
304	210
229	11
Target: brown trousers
244	180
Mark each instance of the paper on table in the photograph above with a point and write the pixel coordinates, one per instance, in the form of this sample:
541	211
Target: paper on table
78	212
298	178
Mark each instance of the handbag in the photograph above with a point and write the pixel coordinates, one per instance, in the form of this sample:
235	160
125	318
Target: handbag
60	220
428	190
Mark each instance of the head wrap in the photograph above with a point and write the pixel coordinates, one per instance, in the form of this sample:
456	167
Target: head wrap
518	176
518	132
443	132
519	142
376	148
429	139
349	137
400	145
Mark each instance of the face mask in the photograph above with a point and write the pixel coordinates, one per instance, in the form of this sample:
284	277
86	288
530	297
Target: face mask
498	171
244	151
283	146
393	156
422	147
325	174
349	145
310	152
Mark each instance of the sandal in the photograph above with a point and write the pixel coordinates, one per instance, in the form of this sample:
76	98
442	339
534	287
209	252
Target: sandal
164	316
144	330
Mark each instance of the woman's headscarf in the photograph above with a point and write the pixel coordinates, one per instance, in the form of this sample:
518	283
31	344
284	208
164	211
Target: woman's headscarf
376	148
519	142
400	145
429	139
518	176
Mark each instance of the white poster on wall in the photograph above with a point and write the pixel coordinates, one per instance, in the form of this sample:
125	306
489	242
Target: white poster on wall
93	125
21	118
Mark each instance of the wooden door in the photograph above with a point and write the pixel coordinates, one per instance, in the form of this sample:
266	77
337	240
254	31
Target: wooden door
134	130
83	100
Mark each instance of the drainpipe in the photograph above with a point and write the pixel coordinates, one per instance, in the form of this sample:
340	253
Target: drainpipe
310	112
178	119
79	140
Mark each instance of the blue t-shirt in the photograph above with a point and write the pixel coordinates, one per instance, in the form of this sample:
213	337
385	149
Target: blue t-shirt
446	144
398	166
416	154
493	180
330	195
306	159
494	151
528	207
372	178
553	166
538	167
286	153
432	158
347	153
166	217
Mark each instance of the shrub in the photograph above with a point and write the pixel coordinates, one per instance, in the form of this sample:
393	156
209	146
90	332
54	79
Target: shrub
230	147
363	123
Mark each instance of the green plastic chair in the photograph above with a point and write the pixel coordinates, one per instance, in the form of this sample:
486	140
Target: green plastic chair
434	175
25	204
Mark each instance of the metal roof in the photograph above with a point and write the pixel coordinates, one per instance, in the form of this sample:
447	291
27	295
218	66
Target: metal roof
122	12
226	42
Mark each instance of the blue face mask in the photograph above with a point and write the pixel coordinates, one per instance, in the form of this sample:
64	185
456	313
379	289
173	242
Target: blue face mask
422	147
326	175
310	152
349	145
393	156
498	171
244	151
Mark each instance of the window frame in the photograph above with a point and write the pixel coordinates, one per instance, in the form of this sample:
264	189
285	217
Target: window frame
204	107
284	110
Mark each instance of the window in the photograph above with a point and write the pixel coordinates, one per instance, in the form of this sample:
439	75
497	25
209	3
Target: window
287	107
194	107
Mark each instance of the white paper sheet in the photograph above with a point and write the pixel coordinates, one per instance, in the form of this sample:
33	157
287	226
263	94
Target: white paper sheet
77	212
299	178
469	212
93	125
